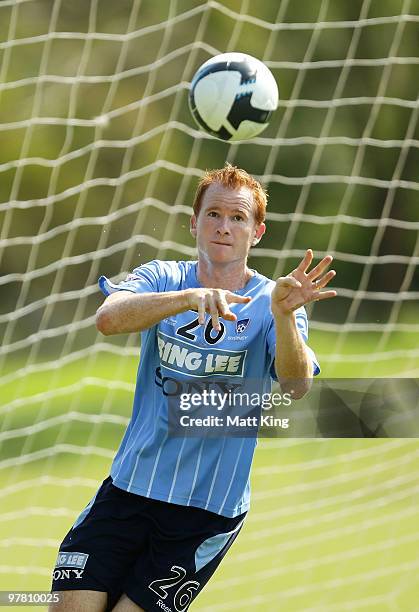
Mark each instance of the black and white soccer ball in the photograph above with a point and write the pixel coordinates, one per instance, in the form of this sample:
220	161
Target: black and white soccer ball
232	96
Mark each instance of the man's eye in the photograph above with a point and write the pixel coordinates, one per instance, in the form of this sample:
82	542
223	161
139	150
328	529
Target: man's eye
238	218
212	213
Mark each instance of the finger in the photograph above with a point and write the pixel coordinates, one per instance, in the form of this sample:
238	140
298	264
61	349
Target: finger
306	261
288	281
322	282
201	309
213	310
320	268
224	310
239	299
323	295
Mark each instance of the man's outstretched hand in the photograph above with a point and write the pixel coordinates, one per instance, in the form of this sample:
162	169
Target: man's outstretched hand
302	285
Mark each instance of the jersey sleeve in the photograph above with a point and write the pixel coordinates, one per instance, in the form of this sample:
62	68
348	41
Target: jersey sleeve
148	278
302	326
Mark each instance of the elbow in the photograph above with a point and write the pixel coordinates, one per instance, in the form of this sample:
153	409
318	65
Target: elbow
301	388
104	322
297	388
109	322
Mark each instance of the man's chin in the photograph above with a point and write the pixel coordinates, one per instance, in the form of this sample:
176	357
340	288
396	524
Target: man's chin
221	254
219	259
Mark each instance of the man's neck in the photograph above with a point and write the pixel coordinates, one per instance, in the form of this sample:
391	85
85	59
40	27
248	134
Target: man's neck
232	276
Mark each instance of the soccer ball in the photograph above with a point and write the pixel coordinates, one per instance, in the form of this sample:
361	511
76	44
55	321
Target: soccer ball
232	96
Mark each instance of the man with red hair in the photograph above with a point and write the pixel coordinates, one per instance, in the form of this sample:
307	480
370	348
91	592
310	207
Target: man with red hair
161	523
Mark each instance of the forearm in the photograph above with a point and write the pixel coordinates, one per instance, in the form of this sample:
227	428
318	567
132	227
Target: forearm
134	312
293	365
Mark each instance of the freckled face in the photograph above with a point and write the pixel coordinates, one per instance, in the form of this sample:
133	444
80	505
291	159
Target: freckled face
226	228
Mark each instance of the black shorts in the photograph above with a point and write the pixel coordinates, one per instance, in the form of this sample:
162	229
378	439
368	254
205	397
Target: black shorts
159	554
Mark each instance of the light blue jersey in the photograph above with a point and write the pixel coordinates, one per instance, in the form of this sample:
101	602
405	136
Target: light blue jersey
210	473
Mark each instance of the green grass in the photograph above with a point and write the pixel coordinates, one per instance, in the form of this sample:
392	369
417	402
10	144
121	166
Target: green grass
364	356
333	522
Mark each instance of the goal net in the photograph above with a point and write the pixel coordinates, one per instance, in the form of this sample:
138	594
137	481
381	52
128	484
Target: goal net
99	161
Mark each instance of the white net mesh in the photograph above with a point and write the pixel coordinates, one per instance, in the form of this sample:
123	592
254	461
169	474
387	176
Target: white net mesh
99	160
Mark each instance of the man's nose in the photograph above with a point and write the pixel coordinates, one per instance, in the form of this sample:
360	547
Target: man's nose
223	226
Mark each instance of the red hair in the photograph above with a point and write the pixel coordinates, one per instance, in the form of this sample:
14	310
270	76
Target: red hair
233	178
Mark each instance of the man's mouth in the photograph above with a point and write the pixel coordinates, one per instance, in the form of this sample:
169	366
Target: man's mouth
221	243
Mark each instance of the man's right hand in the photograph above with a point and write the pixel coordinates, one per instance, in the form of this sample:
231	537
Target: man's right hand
215	302
126	312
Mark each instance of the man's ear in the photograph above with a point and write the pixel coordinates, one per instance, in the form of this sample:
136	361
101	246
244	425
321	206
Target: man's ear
192	228
260	230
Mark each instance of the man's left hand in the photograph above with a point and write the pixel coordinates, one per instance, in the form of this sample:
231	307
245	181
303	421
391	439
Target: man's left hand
302	285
